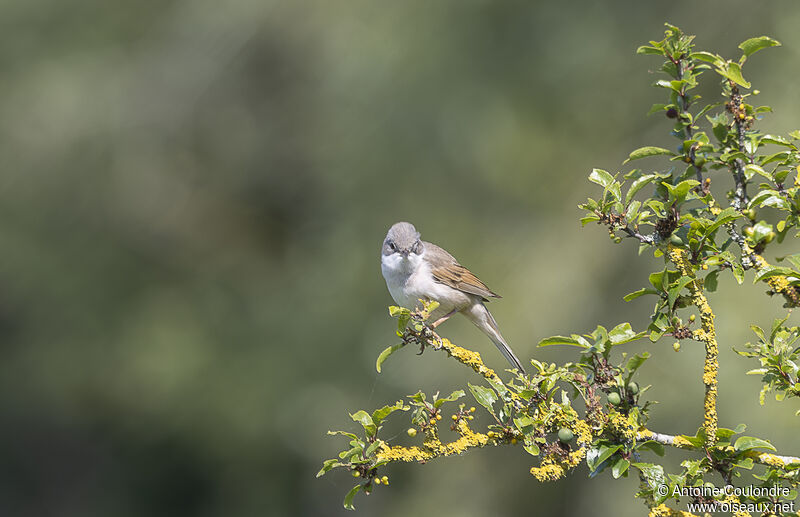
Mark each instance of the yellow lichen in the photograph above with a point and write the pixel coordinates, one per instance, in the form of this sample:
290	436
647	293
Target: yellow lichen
682	443
707	335
547	471
621	425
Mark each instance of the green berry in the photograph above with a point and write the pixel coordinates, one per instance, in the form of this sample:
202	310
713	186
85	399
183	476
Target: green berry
565	435
633	388
614	399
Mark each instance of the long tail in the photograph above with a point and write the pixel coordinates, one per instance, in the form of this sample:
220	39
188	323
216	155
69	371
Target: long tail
482	318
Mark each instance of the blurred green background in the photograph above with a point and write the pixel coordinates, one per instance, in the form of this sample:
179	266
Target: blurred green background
192	200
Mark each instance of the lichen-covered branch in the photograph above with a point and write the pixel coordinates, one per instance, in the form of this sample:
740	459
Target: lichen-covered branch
705	334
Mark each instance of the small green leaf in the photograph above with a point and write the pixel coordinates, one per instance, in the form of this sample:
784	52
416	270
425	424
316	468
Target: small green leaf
641	292
638	184
644	49
644	152
601	177
386	353
770	272
596	456
653	446
753	45
745	443
708	57
363	418
623	333
564	340
531	448
675	290
733	71
348	499
620	467
379	415
485	396
679	192
328	465
453	396
710	281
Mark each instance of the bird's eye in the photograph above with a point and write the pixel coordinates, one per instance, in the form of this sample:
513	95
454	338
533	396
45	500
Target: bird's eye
391	246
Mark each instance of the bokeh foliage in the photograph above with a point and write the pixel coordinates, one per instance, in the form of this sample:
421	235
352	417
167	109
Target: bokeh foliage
187	187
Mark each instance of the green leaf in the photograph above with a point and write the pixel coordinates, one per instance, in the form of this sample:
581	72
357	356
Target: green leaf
641	292
343	433
726	216
769	272
708	57
328	465
485	396
634	363
710	281
564	340
675	290
598	455
386	353
589	219
531	448
753	45
379	415
623	333
363	418
777	140
348	499
395	311
644	49
601	177
653	446
644	152
453	396
620	467
638	184
679	192
733	71
745	443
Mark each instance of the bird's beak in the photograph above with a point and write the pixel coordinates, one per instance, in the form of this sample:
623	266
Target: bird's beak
404	253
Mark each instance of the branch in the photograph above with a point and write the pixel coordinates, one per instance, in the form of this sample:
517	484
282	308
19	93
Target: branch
707	335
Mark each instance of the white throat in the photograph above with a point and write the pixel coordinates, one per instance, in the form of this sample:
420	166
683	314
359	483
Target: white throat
397	271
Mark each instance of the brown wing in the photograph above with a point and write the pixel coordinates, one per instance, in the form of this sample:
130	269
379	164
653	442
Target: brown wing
446	270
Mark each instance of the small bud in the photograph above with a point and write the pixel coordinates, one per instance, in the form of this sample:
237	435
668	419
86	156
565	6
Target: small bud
411	432
438	417
756	92
470	417
455	417
490	434
385	480
513	441
693	317
705	267
356	475
472	409
677	346
377	481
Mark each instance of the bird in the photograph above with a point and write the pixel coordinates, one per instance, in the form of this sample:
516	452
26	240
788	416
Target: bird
415	269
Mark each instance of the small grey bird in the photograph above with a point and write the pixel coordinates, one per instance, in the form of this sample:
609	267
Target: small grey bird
416	269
